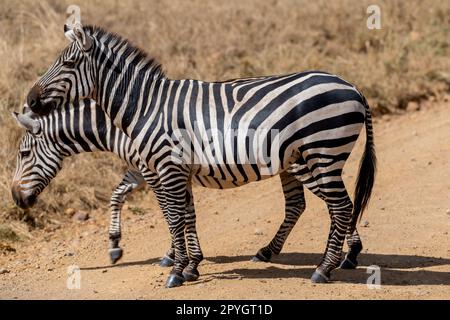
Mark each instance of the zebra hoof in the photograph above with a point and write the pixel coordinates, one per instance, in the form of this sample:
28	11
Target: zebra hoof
318	277
115	254
174	280
166	262
347	264
191	275
262	256
258	259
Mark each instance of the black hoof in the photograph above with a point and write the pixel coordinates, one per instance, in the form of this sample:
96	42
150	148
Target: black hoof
347	264
319	278
262	256
115	254
174	280
166	262
256	259
191	274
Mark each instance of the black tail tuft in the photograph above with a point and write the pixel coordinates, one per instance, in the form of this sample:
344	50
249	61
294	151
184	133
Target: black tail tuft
367	169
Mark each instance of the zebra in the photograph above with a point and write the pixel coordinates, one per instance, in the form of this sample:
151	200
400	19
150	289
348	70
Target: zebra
48	141
77	128
83	127
309	119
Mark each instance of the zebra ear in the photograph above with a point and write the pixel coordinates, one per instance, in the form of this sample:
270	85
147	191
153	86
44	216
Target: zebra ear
77	33
68	32
27	122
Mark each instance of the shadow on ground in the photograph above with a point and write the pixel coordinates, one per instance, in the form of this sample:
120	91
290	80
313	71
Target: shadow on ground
388	263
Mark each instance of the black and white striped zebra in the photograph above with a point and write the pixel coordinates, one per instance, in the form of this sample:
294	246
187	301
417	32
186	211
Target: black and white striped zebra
71	130
310	119
83	127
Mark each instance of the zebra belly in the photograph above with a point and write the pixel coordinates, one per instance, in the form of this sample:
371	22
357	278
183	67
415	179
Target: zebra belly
215	183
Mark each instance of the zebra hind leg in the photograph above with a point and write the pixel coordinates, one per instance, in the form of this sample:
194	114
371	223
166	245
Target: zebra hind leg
131	181
340	208
329	187
354	248
294	206
190	273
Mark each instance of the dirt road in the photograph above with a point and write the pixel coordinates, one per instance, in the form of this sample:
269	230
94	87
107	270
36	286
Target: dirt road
407	236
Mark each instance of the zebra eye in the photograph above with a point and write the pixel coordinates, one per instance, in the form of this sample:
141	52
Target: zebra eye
69	63
25	153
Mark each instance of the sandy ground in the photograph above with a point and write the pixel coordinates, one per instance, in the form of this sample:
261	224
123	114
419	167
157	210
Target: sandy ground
407	236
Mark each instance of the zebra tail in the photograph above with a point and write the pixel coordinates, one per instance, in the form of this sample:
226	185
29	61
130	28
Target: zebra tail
367	169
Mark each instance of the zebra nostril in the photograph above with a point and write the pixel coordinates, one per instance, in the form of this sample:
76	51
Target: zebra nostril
32	103
31	99
29	201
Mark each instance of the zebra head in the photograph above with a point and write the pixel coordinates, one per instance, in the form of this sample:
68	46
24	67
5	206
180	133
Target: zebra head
37	162
70	77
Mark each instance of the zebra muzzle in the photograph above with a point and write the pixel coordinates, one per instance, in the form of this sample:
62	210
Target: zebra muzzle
21	200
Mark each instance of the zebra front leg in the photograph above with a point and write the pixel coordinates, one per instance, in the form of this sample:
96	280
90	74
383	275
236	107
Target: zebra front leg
169	257
294	206
131	181
175	183
194	250
354	248
153	181
190	273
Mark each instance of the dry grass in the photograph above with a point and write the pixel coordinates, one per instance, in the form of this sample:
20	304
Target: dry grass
407	60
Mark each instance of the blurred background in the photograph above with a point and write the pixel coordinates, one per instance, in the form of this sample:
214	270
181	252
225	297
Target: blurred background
404	64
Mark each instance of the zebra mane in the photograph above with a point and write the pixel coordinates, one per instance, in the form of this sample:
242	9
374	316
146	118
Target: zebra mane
141	55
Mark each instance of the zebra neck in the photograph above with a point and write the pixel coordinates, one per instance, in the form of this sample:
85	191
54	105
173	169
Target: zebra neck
130	96
88	130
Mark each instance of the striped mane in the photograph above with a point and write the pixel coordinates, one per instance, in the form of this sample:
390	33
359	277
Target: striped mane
111	39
